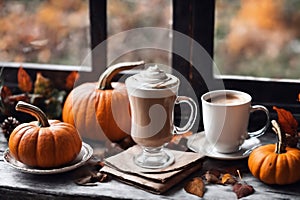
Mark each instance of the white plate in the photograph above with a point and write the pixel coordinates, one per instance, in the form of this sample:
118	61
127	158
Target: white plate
198	143
84	155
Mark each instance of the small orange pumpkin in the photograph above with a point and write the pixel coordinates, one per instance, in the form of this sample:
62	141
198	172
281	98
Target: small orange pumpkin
275	163
43	143
101	109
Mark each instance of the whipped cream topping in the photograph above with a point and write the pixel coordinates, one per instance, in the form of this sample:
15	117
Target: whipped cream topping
155	78
153	75
153	83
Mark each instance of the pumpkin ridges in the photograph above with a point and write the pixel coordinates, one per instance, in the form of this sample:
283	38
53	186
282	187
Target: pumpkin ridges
60	153
294	156
106	105
26	144
84	116
45	148
90	117
253	158
268	166
280	175
75	140
65	149
120	103
15	139
101	107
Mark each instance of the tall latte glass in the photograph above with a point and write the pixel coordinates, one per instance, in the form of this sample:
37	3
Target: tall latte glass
152	96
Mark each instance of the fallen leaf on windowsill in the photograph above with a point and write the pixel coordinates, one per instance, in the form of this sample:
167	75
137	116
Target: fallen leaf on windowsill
242	190
196	186
228	179
91	180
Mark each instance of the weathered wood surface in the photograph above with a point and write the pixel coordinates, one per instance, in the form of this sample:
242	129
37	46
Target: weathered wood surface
17	185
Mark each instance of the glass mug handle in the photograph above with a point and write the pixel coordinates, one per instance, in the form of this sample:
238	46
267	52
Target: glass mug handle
188	126
263	129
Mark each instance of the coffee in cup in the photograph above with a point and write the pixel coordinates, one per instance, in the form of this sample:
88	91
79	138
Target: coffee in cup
225	118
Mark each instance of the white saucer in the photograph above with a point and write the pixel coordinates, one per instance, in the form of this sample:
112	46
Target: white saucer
85	154
198	143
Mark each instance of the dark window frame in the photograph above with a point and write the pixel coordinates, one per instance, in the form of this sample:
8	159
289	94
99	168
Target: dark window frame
196	19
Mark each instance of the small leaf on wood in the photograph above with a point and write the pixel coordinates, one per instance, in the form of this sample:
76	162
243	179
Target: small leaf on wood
242	190
211	177
195	186
24	80
92	179
228	179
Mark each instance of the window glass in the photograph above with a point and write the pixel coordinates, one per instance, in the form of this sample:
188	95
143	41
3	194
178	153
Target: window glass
258	38
124	15
44	31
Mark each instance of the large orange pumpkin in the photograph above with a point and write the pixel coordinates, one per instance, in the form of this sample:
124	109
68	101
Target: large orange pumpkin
101	109
43	143
275	163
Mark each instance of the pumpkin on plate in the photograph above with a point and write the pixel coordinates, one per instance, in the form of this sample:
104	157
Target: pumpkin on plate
101	109
43	143
275	163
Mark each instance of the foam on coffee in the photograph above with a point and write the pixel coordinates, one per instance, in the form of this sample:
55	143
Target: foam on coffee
228	99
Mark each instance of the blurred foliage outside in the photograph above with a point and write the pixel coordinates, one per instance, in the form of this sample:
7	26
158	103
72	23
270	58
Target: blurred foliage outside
57	32
259	38
126	15
44	31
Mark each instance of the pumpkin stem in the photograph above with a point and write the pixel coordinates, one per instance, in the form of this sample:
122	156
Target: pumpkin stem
34	111
106	77
281	143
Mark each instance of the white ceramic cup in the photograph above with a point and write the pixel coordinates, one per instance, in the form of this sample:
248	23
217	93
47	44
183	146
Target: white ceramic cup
225	118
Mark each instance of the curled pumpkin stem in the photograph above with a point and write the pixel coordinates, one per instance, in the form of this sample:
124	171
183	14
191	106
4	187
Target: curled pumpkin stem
105	78
281	143
34	111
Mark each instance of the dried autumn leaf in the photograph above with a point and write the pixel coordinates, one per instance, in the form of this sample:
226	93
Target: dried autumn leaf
24	80
211	177
286	121
5	93
195	186
228	179
43	85
70	80
242	190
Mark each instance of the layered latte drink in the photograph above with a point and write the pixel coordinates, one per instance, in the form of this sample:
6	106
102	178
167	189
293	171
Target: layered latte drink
152	96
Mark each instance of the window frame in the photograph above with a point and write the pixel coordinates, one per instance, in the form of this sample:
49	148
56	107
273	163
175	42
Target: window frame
195	19
198	23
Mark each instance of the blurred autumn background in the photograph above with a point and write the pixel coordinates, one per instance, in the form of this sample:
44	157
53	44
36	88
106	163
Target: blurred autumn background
258	38
43	31
57	32
252	37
